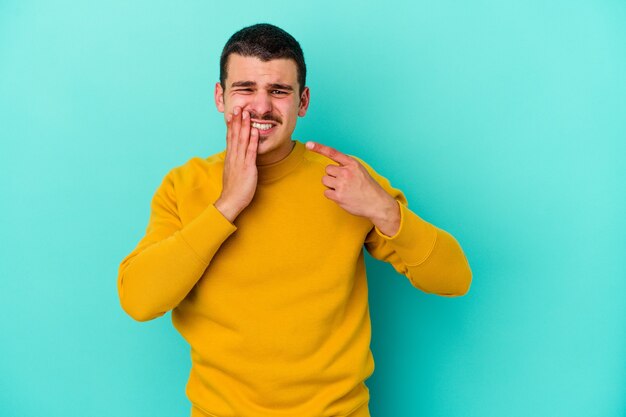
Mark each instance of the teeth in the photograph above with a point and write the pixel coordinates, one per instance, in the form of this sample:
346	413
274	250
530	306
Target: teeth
261	126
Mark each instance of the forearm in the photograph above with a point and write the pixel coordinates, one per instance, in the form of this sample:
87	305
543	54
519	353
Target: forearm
445	271
156	277
155	280
430	257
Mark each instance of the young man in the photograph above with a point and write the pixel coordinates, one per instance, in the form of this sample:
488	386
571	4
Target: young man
258	251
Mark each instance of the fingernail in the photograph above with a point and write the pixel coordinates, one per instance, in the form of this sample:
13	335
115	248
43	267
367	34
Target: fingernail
229	117
236	111
309	145
245	114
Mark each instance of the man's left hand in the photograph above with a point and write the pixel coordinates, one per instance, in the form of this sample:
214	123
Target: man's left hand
353	189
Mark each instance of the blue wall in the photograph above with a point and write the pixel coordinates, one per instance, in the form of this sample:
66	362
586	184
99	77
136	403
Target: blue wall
503	122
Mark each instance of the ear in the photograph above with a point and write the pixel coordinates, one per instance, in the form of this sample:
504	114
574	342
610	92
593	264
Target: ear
219	97
304	101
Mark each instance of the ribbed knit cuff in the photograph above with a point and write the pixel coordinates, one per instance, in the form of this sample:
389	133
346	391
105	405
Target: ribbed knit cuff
414	240
206	233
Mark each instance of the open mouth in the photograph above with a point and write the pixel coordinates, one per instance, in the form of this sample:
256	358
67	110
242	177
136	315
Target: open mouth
263	128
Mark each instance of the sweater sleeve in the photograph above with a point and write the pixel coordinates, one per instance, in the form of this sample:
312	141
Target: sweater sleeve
429	257
168	261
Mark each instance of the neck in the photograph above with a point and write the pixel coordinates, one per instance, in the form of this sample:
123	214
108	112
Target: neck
278	169
276	155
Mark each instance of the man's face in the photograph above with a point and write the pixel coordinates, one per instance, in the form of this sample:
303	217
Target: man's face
270	92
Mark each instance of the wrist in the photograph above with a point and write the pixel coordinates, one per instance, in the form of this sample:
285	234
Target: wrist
387	217
227	208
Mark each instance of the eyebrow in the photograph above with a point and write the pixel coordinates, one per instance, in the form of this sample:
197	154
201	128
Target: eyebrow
253	84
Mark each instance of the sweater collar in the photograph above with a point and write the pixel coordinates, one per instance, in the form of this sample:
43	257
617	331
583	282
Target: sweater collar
279	169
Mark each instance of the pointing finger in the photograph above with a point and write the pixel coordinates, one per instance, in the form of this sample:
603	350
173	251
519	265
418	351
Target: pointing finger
329	152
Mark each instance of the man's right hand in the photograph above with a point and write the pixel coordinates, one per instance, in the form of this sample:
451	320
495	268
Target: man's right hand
240	172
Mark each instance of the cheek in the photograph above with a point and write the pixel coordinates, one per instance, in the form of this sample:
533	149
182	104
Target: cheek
289	111
235	101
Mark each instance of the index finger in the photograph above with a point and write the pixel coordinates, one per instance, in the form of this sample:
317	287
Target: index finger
329	152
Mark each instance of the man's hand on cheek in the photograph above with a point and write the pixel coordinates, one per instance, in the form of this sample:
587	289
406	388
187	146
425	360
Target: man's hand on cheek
353	189
240	172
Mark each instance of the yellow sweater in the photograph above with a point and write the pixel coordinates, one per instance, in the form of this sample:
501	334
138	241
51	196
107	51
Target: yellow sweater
275	306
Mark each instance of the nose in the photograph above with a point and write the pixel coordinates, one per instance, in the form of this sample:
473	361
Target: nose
260	104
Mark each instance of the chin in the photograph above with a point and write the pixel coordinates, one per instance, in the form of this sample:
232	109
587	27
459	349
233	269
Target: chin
271	148
264	146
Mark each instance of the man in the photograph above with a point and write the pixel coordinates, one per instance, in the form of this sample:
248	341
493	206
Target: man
258	251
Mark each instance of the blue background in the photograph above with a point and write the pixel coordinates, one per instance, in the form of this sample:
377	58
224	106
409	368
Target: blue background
503	122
